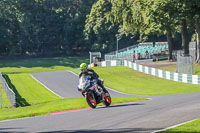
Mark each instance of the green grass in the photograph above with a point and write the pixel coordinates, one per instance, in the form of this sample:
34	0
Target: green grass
5	101
127	80
197	69
28	91
32	98
56	105
172	68
192	127
41	64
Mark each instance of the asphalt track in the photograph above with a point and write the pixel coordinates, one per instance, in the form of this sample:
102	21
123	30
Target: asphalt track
140	117
64	83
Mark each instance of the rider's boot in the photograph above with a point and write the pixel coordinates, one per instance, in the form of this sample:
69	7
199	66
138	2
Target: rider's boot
102	86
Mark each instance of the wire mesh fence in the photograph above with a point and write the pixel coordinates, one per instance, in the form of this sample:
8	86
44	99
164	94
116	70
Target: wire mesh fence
9	92
192	52
184	63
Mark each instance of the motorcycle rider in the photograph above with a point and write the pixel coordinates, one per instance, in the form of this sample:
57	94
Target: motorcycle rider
92	73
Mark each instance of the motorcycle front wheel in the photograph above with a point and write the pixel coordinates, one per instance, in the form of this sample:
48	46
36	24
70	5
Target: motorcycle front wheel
90	98
107	99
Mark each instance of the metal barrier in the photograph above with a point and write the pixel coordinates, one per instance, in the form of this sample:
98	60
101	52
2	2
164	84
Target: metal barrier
184	63
0	101
192	52
9	92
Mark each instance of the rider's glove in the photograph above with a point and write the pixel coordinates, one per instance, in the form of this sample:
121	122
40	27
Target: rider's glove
79	89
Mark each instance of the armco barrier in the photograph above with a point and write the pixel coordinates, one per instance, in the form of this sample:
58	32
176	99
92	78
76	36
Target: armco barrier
0	101
10	94
185	78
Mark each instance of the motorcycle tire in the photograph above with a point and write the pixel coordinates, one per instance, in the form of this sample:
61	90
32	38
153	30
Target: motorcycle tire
107	99
90	98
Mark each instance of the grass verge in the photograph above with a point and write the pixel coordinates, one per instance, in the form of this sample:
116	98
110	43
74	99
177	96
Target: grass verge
172	68
32	98
41	64
53	106
5	101
28	91
127	80
191	127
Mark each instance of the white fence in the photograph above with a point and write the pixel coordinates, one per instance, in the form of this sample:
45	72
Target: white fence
185	78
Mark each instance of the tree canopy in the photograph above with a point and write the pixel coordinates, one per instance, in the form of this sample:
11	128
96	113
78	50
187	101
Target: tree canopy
45	27
156	17
42	26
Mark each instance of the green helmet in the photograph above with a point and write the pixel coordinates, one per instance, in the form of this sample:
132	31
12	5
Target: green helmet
83	66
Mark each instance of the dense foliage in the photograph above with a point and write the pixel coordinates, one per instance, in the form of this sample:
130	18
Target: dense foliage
154	17
48	27
42	26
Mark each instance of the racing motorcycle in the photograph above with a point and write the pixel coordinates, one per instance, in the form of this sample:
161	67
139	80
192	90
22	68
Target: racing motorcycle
93	93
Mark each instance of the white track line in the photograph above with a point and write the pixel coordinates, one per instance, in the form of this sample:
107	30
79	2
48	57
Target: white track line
31	117
118	91
72	72
45	86
24	118
174	126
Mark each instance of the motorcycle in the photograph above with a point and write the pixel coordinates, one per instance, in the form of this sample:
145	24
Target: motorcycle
93	93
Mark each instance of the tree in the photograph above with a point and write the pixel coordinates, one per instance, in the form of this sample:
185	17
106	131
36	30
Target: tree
194	17
145	17
99	33
9	17
155	17
42	26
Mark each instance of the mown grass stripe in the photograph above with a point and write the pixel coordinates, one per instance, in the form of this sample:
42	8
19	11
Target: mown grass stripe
28	91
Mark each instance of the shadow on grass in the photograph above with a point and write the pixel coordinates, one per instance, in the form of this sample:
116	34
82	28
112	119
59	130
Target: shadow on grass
20	101
45	62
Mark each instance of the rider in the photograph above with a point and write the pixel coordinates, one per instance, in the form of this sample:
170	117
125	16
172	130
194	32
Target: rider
92	73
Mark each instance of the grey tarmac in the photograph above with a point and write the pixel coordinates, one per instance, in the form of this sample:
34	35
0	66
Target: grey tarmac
139	117
64	83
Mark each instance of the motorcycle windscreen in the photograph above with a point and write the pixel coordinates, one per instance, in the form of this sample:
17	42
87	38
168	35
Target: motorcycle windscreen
84	81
